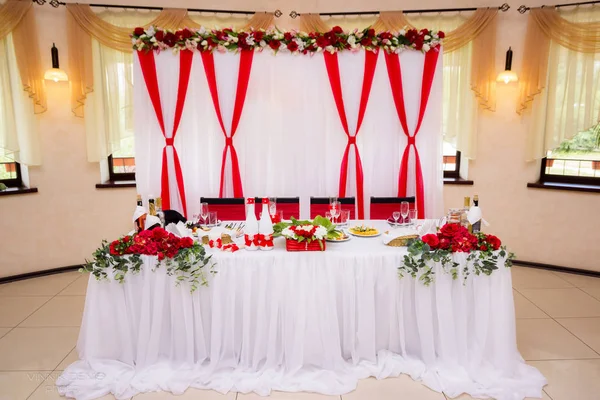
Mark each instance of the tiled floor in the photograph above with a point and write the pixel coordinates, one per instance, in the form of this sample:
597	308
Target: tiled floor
558	332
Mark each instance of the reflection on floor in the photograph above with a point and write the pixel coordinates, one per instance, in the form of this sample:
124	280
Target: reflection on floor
558	331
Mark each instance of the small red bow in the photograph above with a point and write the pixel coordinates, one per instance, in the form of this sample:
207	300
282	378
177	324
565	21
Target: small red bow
265	240
215	243
232	247
249	241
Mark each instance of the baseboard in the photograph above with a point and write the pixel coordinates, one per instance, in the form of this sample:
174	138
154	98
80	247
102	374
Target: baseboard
558	268
36	274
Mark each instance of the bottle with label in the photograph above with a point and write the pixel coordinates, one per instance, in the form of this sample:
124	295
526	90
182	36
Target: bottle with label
476	225
265	227
251	226
139	200
464	221
159	211
151	206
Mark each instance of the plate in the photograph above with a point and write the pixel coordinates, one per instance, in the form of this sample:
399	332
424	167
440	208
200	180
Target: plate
359	234
219	222
339	240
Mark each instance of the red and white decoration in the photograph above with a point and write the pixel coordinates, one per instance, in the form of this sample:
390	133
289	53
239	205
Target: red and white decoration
258	123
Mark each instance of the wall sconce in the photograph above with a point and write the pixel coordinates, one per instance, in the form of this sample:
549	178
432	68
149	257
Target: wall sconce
507	75
55	73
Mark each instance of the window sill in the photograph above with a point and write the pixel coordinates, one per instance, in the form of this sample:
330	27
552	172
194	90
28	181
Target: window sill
17	190
457	181
115	185
565	186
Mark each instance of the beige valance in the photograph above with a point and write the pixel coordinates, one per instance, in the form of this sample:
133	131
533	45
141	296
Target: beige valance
16	16
544	25
83	24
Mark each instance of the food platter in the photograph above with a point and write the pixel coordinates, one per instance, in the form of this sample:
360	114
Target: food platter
364	231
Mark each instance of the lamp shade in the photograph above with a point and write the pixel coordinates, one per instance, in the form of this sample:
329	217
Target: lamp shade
55	73
507	75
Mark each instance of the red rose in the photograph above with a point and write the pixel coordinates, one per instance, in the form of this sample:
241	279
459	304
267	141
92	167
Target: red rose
187	242
220	35
419	43
287	36
170	39
441	35
274	44
331	37
322	41
337	30
292	46
432	240
161	256
424	32
449	230
411	34
127	239
184	34
138	31
365	41
258	35
371	33
386	35
159	35
493	241
483	247
445	243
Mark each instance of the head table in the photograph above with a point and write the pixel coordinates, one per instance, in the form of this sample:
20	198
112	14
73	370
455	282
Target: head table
301	321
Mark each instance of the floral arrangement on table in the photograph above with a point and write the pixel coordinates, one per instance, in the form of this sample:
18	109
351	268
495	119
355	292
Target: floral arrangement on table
182	257
292	42
311	233
484	253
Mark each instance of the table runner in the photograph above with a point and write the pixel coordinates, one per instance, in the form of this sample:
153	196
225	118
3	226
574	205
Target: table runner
306	321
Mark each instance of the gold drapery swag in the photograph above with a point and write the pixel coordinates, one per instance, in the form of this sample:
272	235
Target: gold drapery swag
83	24
544	25
480	28
16	16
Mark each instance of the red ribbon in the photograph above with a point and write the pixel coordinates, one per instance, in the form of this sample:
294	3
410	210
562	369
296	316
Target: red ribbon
333	71
249	241
265	240
218	243
240	97
148	67
395	76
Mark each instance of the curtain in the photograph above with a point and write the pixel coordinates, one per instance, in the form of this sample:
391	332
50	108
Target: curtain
105	94
18	128
289	140
568	85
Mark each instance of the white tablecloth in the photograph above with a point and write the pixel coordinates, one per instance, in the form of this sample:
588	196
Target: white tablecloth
305	321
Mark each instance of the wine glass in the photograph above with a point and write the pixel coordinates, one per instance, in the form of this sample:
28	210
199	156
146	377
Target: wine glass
204	212
396	216
412	215
273	206
404	210
334	209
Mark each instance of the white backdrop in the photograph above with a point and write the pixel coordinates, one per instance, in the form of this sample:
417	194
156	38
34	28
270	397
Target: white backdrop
290	140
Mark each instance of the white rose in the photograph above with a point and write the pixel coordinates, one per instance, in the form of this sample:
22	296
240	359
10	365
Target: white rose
150	31
426	47
320	232
263	43
204	43
352	40
402	32
427	37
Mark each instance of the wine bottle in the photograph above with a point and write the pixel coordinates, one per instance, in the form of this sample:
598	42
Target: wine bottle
159	211
151	206
464	221
139	200
251	226
265	227
476	225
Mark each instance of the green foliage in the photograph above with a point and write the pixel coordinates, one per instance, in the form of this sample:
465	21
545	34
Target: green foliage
332	231
584	142
2	187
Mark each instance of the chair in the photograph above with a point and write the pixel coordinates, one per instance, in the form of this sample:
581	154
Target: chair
228	209
289	205
383	207
320	205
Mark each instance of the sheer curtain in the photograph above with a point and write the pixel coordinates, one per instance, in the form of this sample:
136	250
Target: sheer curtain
571	102
109	108
18	126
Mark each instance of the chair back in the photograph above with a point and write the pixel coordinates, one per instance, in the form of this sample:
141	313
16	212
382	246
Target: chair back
384	207
289	205
228	209
320	205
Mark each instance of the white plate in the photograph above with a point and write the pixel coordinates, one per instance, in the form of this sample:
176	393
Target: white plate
363	236
219	222
338	240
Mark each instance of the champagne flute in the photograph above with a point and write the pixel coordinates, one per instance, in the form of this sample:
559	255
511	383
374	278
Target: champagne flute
396	216
412	215
404	210
335	210
204	212
273	206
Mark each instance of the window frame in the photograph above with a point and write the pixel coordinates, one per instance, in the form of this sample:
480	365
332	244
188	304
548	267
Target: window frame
566	179
14	182
455	173
118	176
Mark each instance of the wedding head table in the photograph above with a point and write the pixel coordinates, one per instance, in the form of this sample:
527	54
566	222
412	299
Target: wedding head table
301	321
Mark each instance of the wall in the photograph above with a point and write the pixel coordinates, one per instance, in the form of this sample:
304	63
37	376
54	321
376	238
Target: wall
63	223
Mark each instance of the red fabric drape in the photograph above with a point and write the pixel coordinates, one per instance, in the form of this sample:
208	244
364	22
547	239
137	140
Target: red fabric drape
240	97
333	71
395	77
148	67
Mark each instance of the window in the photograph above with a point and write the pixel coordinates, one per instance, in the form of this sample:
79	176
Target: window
10	172
451	161
575	161
121	164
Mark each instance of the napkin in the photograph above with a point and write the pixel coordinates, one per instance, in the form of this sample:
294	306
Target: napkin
152	221
426	226
475	215
179	229
139	211
399	232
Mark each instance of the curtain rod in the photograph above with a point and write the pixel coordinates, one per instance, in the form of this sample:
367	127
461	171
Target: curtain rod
503	7
524	9
56	4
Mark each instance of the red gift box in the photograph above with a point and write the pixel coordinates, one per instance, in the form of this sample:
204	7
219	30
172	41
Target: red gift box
294	245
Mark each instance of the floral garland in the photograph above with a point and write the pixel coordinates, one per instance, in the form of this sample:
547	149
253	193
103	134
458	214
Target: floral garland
318	229
484	253
182	256
291	42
